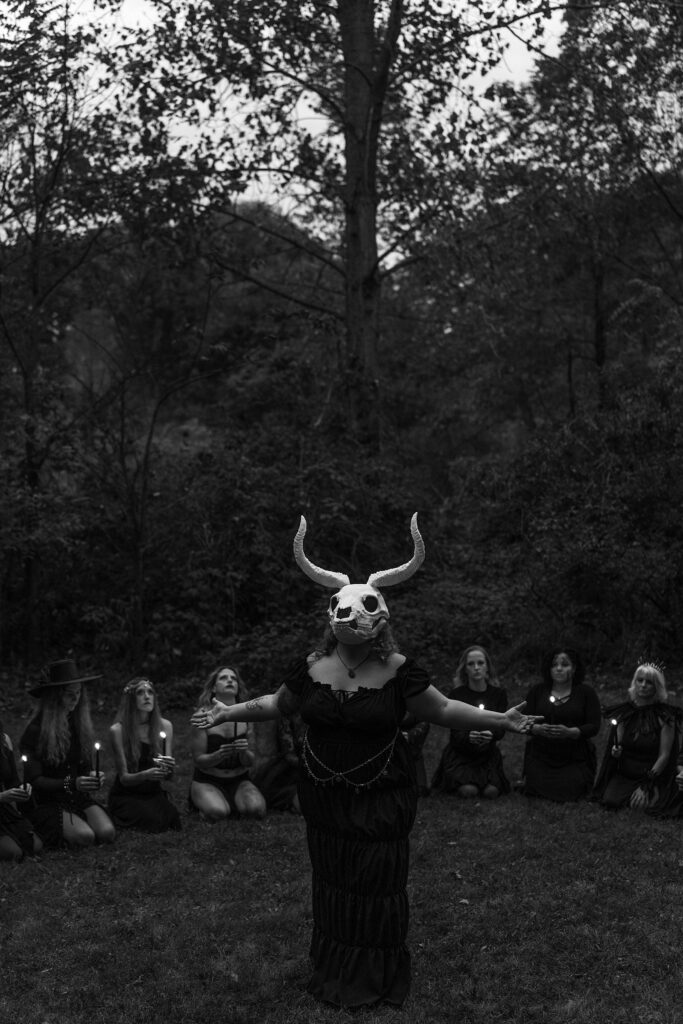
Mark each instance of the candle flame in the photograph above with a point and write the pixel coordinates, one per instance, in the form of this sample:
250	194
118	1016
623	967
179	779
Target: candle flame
162	735
552	699
481	707
97	746
24	758
614	721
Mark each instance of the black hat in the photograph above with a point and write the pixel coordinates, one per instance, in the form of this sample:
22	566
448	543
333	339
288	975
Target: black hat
60	673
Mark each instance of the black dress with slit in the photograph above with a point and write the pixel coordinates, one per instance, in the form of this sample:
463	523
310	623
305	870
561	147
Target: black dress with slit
358	795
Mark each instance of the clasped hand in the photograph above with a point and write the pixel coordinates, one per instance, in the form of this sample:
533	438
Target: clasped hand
164	766
554	732
18	794
85	783
480	739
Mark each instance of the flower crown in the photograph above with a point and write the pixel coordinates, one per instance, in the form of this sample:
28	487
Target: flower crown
133	685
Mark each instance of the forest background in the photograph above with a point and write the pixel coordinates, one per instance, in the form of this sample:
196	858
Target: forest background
260	261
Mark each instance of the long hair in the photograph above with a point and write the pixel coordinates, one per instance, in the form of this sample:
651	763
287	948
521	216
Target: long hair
54	738
209	689
655	676
574	657
126	716
381	646
461	678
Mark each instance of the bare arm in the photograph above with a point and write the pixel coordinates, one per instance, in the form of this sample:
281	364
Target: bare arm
432	706
260	709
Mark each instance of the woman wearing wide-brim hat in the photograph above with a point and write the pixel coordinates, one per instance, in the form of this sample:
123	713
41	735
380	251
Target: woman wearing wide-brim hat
58	743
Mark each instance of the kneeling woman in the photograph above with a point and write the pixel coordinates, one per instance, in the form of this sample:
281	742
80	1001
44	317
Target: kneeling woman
220	784
17	838
639	763
58	742
142	743
471	764
560	758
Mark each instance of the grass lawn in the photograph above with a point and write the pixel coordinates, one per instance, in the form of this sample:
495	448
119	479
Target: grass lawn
522	912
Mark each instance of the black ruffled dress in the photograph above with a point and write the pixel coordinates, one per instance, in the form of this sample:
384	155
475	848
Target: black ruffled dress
637	732
465	764
146	806
358	794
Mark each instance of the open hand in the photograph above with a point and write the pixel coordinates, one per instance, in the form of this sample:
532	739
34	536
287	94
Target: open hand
206	717
515	721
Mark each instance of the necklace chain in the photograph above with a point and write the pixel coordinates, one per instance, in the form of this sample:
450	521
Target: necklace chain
352	671
342	775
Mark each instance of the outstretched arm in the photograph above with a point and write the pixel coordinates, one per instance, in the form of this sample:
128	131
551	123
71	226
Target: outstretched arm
432	706
260	709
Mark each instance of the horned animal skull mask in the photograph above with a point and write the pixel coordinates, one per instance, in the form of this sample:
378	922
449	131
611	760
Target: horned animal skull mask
357	611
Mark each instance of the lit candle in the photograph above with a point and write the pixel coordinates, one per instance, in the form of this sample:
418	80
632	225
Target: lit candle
552	707
162	737
24	759
481	707
97	760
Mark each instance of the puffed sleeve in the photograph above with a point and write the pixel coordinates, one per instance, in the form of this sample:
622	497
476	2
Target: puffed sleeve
415	679
296	676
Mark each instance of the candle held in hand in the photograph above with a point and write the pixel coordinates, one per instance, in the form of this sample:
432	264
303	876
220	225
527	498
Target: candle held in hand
97	759
162	737
24	760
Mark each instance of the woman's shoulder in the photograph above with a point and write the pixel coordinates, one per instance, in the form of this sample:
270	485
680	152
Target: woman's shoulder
6	741
166	724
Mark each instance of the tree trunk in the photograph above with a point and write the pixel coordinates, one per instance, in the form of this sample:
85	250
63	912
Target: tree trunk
367	60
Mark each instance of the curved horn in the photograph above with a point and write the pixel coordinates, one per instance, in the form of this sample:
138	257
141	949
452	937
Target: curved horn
334	580
389	577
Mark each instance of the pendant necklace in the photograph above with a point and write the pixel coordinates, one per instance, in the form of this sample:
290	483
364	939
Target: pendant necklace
352	671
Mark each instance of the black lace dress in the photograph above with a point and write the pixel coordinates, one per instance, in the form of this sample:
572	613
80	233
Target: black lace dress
145	807
358	794
465	764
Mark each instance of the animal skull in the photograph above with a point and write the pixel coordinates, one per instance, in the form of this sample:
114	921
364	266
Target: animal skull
357	611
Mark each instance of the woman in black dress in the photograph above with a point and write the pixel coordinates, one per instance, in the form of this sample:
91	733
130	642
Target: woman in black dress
358	790
221	785
639	765
17	837
560	758
58	744
142	744
471	764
